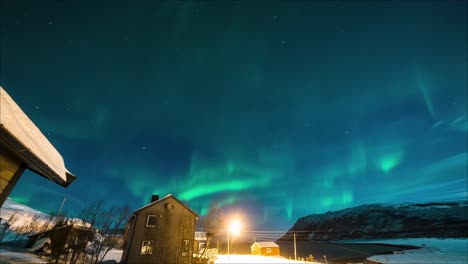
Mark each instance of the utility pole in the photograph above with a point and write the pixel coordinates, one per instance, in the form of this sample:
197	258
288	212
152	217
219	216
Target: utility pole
61	206
295	252
229	231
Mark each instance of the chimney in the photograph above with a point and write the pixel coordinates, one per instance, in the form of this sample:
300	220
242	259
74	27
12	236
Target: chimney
154	197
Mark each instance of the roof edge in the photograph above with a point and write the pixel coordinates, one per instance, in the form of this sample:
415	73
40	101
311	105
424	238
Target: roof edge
164	199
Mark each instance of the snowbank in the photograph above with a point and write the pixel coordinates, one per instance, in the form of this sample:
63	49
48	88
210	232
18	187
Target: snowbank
19	257
253	259
448	251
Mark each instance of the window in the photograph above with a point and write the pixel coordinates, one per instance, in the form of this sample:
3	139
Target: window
151	221
268	250
185	247
146	247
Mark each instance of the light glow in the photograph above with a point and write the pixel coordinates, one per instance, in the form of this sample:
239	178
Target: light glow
235	227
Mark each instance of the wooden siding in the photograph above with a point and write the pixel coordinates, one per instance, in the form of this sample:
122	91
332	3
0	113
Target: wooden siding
11	169
175	224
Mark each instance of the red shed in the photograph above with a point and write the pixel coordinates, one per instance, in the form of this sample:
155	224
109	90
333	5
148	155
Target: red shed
265	249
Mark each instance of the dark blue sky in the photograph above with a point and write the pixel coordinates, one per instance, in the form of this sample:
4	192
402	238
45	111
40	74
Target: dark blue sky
274	109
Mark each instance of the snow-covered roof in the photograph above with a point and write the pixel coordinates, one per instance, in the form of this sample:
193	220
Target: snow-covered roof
23	137
266	244
165	198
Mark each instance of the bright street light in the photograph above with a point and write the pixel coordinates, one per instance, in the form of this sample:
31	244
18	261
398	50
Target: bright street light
234	228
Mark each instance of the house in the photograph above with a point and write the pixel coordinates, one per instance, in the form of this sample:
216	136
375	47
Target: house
61	238
265	249
23	146
160	232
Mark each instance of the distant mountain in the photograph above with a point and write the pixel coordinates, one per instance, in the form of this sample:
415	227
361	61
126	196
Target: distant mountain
18	214
24	219
437	219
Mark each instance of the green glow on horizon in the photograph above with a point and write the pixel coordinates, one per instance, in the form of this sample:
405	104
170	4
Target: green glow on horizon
21	199
204	211
227	201
326	201
390	161
347	197
202	207
230	185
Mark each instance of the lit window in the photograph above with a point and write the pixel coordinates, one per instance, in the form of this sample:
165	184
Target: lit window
186	245
147	247
151	221
268	250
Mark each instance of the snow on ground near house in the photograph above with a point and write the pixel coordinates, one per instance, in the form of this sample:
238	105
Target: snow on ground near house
7	257
253	259
433	250
114	254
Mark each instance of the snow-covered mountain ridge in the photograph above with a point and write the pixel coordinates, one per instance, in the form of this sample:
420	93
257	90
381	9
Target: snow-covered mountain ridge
18	216
436	219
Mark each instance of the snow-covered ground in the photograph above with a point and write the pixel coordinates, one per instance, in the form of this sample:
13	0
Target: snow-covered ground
253	259
11	257
434	250
114	254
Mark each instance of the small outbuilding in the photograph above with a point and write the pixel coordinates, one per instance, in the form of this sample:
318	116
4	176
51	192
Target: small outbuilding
161	232
61	238
265	249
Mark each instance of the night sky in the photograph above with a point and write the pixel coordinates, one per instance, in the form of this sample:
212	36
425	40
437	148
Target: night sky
273	109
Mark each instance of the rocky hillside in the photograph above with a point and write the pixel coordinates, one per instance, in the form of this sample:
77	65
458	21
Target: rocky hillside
437	219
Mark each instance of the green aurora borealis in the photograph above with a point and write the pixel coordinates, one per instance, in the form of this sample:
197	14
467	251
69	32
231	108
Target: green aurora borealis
276	110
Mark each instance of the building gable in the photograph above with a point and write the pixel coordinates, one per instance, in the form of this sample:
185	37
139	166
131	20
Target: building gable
163	202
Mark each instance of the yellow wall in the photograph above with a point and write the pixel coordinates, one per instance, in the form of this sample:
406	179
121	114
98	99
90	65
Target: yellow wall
11	169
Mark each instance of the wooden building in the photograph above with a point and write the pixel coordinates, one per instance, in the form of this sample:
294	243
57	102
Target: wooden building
265	249
23	146
63	237
160	232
